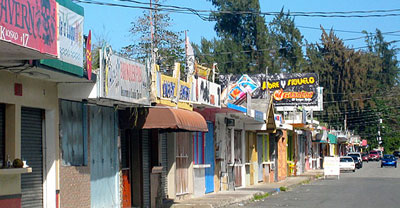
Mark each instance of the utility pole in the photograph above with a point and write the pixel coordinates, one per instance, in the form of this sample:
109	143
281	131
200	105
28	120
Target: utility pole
267	89
379	133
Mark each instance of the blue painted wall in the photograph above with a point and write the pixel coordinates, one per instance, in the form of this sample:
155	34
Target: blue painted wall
104	162
209	158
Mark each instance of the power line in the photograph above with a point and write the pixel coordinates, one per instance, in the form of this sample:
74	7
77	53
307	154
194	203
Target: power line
207	15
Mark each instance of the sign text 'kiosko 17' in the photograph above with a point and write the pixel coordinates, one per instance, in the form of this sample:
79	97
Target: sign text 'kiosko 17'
30	23
294	89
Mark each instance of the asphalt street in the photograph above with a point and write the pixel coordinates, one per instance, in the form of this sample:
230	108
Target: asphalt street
370	186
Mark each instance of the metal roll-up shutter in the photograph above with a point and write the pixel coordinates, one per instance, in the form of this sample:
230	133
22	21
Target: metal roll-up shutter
164	163
31	151
2	130
146	167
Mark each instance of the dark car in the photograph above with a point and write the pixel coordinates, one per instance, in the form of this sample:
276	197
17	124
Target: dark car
357	161
374	155
389	160
365	156
396	153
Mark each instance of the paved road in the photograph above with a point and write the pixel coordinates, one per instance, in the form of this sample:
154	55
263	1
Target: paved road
371	186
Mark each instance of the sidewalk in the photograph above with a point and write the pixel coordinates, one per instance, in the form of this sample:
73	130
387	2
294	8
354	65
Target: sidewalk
226	198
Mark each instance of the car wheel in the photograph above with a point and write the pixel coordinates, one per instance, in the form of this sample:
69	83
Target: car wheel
354	170
381	166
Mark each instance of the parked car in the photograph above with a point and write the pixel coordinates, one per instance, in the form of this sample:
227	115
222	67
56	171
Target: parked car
347	163
396	153
380	152
374	155
357	158
389	160
364	156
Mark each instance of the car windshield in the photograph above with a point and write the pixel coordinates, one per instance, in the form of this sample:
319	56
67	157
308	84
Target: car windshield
388	157
353	155
346	159
373	153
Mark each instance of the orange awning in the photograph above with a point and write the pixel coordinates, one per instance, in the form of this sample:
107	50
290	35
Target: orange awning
170	118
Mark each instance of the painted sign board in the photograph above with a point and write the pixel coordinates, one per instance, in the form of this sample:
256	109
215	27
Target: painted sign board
70	38
30	24
331	166
206	93
295	89
122	79
291	89
168	88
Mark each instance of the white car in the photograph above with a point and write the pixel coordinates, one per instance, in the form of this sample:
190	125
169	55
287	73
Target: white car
347	163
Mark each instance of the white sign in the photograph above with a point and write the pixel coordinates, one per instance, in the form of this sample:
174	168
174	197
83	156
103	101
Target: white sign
319	107
122	79
206	93
70	38
331	166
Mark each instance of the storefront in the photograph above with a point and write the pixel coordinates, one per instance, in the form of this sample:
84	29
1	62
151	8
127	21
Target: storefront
28	111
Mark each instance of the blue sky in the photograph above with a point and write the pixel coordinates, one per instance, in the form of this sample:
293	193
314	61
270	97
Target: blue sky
114	22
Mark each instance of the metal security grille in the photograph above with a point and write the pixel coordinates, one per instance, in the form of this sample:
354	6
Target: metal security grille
146	167
164	163
2	141
31	151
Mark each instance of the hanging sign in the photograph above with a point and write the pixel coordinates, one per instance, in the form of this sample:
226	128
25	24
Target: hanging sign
30	24
122	79
207	93
297	89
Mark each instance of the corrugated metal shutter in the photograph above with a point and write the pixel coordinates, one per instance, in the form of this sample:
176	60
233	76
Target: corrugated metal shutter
31	151
2	126
146	167
164	163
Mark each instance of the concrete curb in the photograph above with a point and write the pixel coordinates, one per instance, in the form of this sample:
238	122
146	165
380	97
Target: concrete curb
239	196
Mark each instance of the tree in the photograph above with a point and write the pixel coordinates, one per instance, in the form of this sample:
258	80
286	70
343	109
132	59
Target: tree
288	41
359	85
169	44
243	35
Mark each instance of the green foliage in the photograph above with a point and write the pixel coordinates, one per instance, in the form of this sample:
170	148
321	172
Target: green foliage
169	44
257	197
358	85
288	41
244	35
283	188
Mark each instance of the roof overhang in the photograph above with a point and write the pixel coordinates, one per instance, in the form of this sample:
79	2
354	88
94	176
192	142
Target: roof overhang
175	119
10	51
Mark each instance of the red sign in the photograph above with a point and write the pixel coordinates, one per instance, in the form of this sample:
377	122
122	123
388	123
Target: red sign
18	89
89	55
30	23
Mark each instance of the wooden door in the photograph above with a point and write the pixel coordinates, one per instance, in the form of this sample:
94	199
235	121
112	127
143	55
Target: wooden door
182	162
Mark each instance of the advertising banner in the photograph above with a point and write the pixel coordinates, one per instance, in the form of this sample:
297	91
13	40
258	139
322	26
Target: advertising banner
30	24
122	79
235	86
331	166
168	87
70	38
207	93
297	89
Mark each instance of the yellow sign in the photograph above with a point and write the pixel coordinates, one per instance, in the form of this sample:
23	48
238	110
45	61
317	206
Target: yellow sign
168	93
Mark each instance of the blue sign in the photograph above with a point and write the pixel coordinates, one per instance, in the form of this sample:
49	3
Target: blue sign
258	116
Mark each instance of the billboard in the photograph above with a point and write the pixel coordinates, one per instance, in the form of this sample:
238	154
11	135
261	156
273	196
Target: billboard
122	79
235	86
206	93
296	89
70	34
30	24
